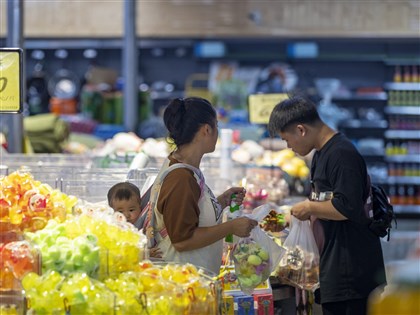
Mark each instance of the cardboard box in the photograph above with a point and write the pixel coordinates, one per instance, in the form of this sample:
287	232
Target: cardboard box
228	305
264	304
244	305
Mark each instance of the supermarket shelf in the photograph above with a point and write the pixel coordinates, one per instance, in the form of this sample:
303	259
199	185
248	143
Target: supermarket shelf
409	158
379	180
402	134
404	61
105	43
407	209
402	86
363	124
372	154
402	110
381	96
404	180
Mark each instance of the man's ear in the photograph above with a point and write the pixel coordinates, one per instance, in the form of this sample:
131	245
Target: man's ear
302	129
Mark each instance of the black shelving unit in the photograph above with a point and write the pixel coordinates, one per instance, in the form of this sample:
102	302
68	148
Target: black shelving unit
403	147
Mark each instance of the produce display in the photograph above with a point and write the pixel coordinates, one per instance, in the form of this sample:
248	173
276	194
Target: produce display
65	255
152	289
166	289
287	160
12	304
95	242
16	259
250	152
27	205
76	293
9	309
122	149
264	185
88	260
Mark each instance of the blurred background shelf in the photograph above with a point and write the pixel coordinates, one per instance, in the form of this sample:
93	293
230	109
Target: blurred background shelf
402	86
380	96
404	180
409	158
407	209
402	110
364	124
403	134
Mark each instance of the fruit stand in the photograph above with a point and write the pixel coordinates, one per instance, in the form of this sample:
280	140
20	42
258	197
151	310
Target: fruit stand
63	252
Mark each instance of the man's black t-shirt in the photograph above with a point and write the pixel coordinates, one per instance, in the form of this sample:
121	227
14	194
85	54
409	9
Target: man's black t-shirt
351	259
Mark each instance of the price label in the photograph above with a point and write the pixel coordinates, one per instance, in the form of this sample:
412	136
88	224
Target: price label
10	80
261	106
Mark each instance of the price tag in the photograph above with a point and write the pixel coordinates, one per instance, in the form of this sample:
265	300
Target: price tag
261	106
10	80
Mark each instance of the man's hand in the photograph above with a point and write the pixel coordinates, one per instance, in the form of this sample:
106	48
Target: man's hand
301	210
321	209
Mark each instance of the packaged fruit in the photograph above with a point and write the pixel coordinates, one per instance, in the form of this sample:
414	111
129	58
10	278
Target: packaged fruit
252	264
167	288
74	293
27	205
17	258
273	222
299	266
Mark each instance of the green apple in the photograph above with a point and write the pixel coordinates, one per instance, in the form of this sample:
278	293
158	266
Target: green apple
263	254
256	279
254	260
245	281
53	252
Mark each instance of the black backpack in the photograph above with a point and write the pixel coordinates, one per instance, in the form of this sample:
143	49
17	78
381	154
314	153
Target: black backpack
380	211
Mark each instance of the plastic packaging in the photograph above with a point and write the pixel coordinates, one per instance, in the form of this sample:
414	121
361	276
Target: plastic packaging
256	256
300	264
234	212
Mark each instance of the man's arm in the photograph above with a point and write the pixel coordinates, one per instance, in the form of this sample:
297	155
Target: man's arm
320	209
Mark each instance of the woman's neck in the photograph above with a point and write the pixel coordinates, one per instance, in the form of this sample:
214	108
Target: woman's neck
188	155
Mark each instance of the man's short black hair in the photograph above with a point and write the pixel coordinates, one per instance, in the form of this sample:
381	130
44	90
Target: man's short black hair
294	110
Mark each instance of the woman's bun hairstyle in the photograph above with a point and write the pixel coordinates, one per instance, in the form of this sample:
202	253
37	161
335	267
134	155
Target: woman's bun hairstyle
184	117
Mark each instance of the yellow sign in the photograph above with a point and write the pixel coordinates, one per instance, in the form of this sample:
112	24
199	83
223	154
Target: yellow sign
10	80
261	106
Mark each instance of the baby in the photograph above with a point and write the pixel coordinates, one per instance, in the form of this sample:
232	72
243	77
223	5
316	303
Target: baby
125	198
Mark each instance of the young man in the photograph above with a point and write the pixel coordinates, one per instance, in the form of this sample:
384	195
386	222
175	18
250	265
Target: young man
351	264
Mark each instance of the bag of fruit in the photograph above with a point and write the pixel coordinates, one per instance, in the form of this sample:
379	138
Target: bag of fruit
299	266
255	257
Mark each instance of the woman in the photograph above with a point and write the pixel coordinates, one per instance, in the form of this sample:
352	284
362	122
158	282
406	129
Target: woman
187	225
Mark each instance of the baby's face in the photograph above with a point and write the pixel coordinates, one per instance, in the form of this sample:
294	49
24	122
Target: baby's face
129	208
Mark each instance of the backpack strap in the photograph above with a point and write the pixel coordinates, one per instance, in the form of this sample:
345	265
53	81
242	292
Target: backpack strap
154	195
368	206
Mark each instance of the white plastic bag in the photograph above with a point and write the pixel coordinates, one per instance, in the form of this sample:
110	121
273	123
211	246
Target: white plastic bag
255	257
300	264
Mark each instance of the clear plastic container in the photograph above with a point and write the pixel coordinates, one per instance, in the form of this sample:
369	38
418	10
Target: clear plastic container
12	304
17	258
